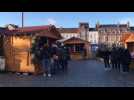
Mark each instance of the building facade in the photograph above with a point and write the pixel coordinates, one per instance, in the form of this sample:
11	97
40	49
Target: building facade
93	36
111	33
68	33
101	34
84	30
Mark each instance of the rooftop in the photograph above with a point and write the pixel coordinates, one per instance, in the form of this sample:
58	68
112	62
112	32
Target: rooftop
68	30
113	25
45	30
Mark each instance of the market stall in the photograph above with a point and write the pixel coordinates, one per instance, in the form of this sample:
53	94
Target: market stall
17	45
129	42
79	49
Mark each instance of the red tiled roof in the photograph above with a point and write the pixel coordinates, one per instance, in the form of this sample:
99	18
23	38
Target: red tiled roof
32	28
47	30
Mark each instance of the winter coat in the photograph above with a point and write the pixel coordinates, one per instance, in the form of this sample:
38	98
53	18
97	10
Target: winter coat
114	54
126	57
46	53
106	54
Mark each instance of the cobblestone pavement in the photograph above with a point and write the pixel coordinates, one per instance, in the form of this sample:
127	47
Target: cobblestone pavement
89	73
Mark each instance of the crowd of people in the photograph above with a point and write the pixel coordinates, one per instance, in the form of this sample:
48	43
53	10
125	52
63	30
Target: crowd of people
53	58
116	58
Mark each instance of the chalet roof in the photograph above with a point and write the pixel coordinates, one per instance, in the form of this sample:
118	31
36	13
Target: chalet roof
130	38
46	30
75	40
125	37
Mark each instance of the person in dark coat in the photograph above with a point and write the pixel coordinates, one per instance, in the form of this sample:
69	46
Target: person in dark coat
46	60
125	60
60	53
55	58
114	56
65	58
119	53
106	57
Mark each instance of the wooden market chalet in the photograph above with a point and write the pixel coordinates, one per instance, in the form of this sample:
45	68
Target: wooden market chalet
128	41
16	43
77	47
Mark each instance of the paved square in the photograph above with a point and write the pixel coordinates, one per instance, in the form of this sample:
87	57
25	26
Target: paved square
89	73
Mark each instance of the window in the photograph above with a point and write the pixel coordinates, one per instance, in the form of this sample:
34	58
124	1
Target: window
94	41
112	39
119	38
91	36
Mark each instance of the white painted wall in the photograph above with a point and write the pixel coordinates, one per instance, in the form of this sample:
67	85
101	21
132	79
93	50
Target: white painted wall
93	37
69	35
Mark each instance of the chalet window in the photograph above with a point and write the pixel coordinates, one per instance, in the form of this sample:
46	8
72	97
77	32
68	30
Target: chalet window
79	48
